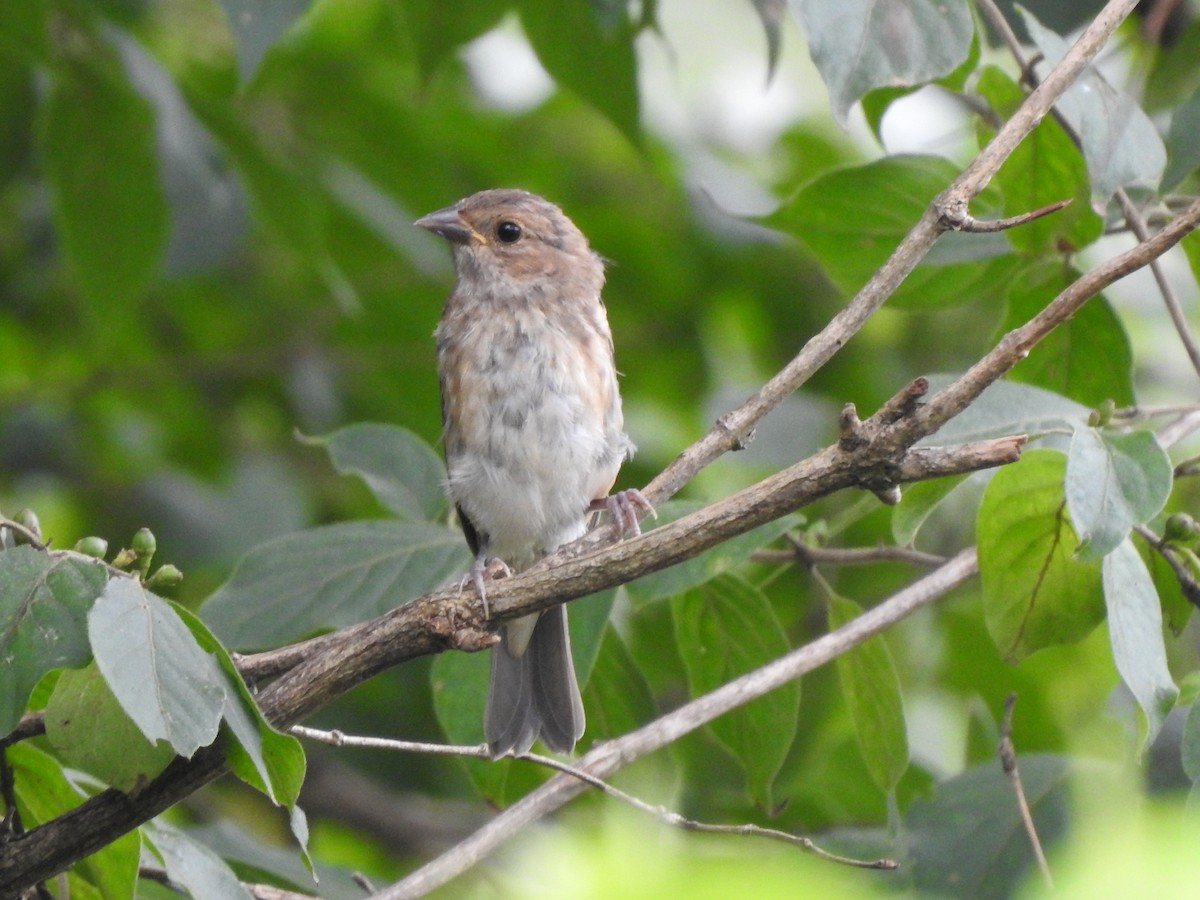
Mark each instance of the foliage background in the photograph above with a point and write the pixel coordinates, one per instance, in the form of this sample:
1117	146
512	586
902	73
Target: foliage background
206	251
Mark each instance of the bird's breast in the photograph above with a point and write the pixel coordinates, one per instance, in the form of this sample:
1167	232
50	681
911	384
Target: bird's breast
533	422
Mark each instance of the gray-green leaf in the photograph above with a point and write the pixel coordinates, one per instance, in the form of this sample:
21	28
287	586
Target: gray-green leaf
859	45
1114	482
329	577
1135	629
401	470
1120	143
44	602
170	687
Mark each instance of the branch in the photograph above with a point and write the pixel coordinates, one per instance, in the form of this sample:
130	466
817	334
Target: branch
604	760
1133	218
438	620
846	556
1015	345
669	817
948	211
1008	762
988	226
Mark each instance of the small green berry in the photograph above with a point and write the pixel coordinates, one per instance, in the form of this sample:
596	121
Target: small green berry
166	576
144	542
95	547
28	518
1181	528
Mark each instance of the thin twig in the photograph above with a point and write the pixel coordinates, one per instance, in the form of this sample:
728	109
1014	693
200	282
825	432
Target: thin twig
1016	344
1151	411
988	226
28	535
336	738
669	817
1174	308
1188	584
1008	762
1175	431
847	556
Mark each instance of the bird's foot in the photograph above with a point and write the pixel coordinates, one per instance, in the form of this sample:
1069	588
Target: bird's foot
624	507
481	570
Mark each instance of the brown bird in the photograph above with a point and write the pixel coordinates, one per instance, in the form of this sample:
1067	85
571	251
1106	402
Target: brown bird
533	432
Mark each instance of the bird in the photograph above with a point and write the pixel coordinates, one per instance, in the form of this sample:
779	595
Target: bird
532	430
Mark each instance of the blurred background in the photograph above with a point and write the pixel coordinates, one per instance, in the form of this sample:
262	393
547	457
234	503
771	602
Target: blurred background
267	283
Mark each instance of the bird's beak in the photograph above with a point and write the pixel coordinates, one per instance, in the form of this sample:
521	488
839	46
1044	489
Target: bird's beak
449	224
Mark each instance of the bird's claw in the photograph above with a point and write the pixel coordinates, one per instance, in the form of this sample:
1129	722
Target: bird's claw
623	507
481	570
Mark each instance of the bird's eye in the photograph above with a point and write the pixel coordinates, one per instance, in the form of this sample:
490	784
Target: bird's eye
508	232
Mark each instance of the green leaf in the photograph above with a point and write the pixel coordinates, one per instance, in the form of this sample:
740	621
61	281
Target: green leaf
1183	143
872	692
1044	168
43	793
1007	408
1174	74
917	503
860	44
438	29
1035	592
330	577
1086	358
44	601
1191	249
1135	629
1177	609
283	195
725	629
617	697
97	145
968	840
90	731
588	622
597	63
25	37
401	470
1190	744
1120	143
192	865
853	218
261	756
171	688
709	564
1114	481
458	682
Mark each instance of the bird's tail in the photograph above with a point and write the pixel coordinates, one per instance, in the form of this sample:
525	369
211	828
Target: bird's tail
533	691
